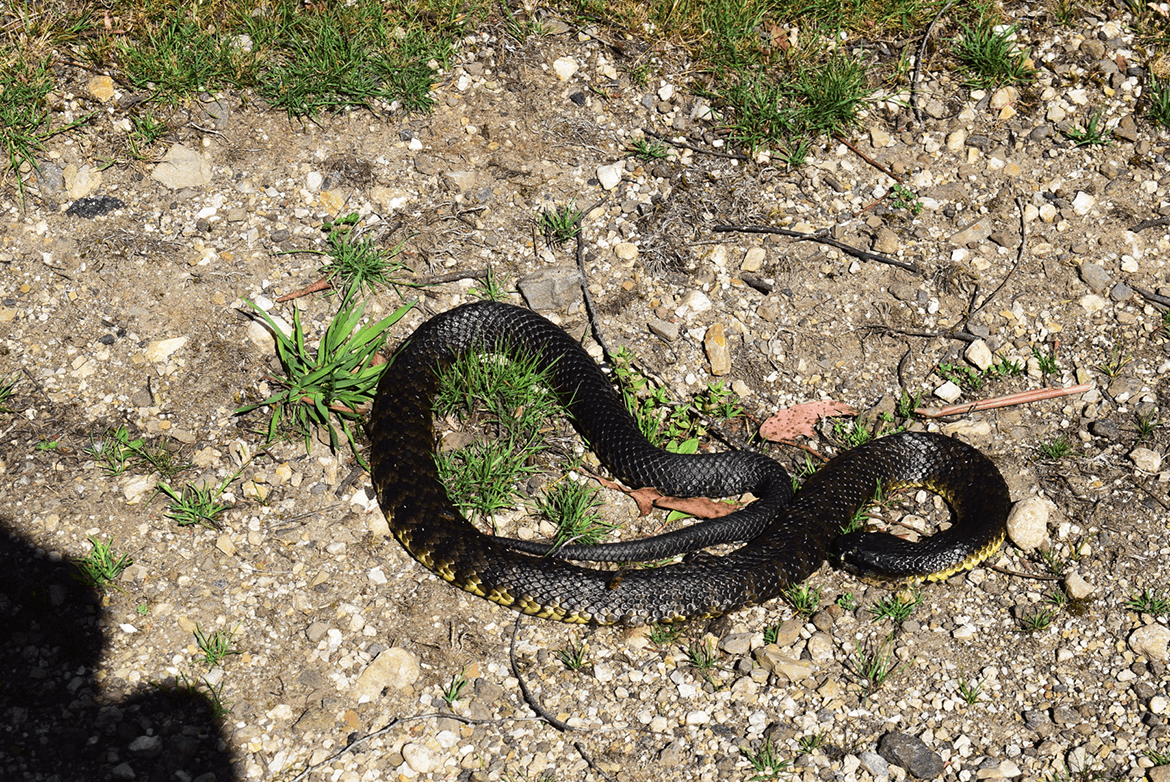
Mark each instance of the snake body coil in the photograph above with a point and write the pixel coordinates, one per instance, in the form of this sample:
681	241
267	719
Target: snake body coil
786	540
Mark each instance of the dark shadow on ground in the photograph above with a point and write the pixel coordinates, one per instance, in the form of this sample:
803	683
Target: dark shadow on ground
56	724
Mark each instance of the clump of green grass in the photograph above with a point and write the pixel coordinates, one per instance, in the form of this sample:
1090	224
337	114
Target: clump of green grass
1158	102
648	150
181	56
356	263
990	55
804	599
216	646
101	567
896	607
510	397
1036	620
329	56
1047	361
1149	601
454	688
766	761
1093	134
25	84
665	634
1055	450
7	387
195	505
560	224
572	508
970	689
328	386
575	654
873	665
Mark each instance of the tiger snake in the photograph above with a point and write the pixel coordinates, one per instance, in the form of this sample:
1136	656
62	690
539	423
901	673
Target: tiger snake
785	538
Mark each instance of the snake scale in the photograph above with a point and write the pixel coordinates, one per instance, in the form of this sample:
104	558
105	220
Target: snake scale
786	538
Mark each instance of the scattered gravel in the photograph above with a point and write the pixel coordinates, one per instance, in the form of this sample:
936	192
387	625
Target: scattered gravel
122	304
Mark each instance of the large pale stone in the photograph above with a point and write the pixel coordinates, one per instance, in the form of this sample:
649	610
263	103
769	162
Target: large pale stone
1027	524
1152	641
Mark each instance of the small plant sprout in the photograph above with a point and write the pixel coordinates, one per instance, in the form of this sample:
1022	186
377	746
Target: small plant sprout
896	607
702	654
102	566
1055	450
766	762
1036	620
195	505
216	646
902	197
1093	134
874	665
648	150
1156	603
115	451
969	688
572	508
560	224
847	602
6	389
575	654
811	742
665	634
455	687
991	57
1047	361
804	599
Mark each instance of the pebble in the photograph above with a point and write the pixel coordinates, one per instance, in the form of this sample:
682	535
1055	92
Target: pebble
693	302
395	668
1146	460
718	353
975	232
912	754
421	758
1076	587
1151	641
1095	276
948	392
979	355
1027	524
182	167
610	176
552	289
565	68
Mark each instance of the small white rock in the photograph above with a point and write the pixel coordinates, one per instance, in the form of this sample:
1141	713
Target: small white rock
666	92
421	758
980	355
1027	524
627	251
1083	203
1145	460
1076	586
1092	303
609	176
1151	641
160	350
948	392
565	67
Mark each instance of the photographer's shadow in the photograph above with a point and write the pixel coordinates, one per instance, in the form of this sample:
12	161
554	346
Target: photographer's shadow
55	721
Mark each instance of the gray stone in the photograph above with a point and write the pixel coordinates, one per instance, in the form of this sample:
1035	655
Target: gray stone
1126	129
1121	292
978	231
551	290
912	754
1094	276
886	241
874	763
146	746
665	330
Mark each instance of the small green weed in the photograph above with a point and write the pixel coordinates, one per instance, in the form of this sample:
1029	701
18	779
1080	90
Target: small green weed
6	389
48	445
811	742
491	289
1004	367
1055	450
1057	598
114	451
850	434
195	504
903	197
1092	135
766	761
648	150
1037	620
1052	562
990	56
862	515
332	383
180	58
1158	758
702	654
572	508
455	687
1047	361
143	609
1147	423
907	404
574	655
665	634
961	375
896	607
1112	366
1158	102
847	602
101	567
1149	601
220	708
970	689
874	665
216	646
804	599
356	262
561	224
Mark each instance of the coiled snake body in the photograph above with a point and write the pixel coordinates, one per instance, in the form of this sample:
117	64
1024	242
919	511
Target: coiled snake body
786	540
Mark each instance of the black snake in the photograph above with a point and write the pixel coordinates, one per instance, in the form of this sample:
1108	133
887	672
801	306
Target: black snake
787	539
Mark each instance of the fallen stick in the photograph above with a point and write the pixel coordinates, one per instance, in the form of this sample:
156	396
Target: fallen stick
1021	398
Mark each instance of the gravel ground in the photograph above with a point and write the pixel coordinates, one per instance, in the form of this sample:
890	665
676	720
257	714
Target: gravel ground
131	313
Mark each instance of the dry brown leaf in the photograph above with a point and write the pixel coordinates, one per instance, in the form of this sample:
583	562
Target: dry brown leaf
802	419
